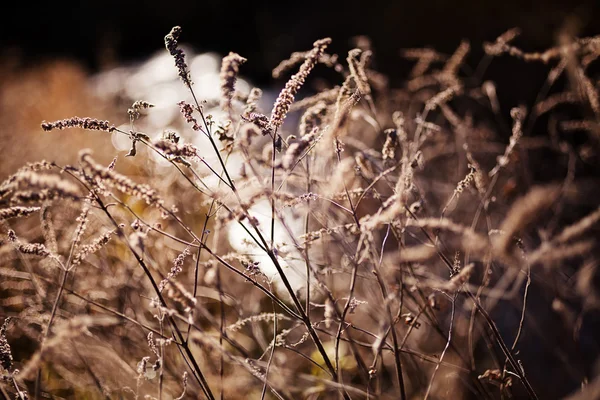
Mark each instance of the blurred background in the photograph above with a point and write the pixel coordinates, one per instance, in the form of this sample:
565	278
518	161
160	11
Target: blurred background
51	51
101	34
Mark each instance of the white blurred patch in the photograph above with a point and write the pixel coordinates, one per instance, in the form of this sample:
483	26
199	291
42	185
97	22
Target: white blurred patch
290	259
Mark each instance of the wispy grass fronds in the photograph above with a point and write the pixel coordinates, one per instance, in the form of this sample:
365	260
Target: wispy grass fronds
518	115
357	60
230	67
118	181
17	212
45	185
525	211
286	97
36	249
93	247
171	43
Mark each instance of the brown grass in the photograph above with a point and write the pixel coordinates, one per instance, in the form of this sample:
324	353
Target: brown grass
396	243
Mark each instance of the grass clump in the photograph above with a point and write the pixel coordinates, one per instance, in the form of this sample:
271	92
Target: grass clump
382	243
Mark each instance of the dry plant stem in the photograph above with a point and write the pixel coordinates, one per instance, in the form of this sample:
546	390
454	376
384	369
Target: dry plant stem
238	347
445	347
391	321
522	320
196	269
197	188
385	335
162	364
431	317
63	281
352	208
231	342
481	207
221	302
274	154
470	335
224	263
306	230
344	313
495	333
375	180
498	338
20	395
307	358
399	376
152	227
215	324
212	141
201	245
436	243
275	328
303	316
340	316
255	283
306	320
270	253
196	368
423	310
199	253
65	274
221	331
486	316
353	279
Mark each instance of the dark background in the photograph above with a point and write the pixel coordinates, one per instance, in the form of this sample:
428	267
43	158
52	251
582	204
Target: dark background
103	33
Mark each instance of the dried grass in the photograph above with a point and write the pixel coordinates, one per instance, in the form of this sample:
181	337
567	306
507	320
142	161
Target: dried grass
365	253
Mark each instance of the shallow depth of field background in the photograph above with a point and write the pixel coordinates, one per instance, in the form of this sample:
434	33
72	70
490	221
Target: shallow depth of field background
48	50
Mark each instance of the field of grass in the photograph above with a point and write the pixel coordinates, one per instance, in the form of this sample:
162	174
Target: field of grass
343	239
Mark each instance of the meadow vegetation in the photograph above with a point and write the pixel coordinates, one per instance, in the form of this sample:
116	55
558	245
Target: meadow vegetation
348	240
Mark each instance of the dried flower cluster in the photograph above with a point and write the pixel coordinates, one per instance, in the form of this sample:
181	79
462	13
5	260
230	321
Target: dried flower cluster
36	249
77	122
6	358
286	97
17	212
137	107
171	43
230	68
